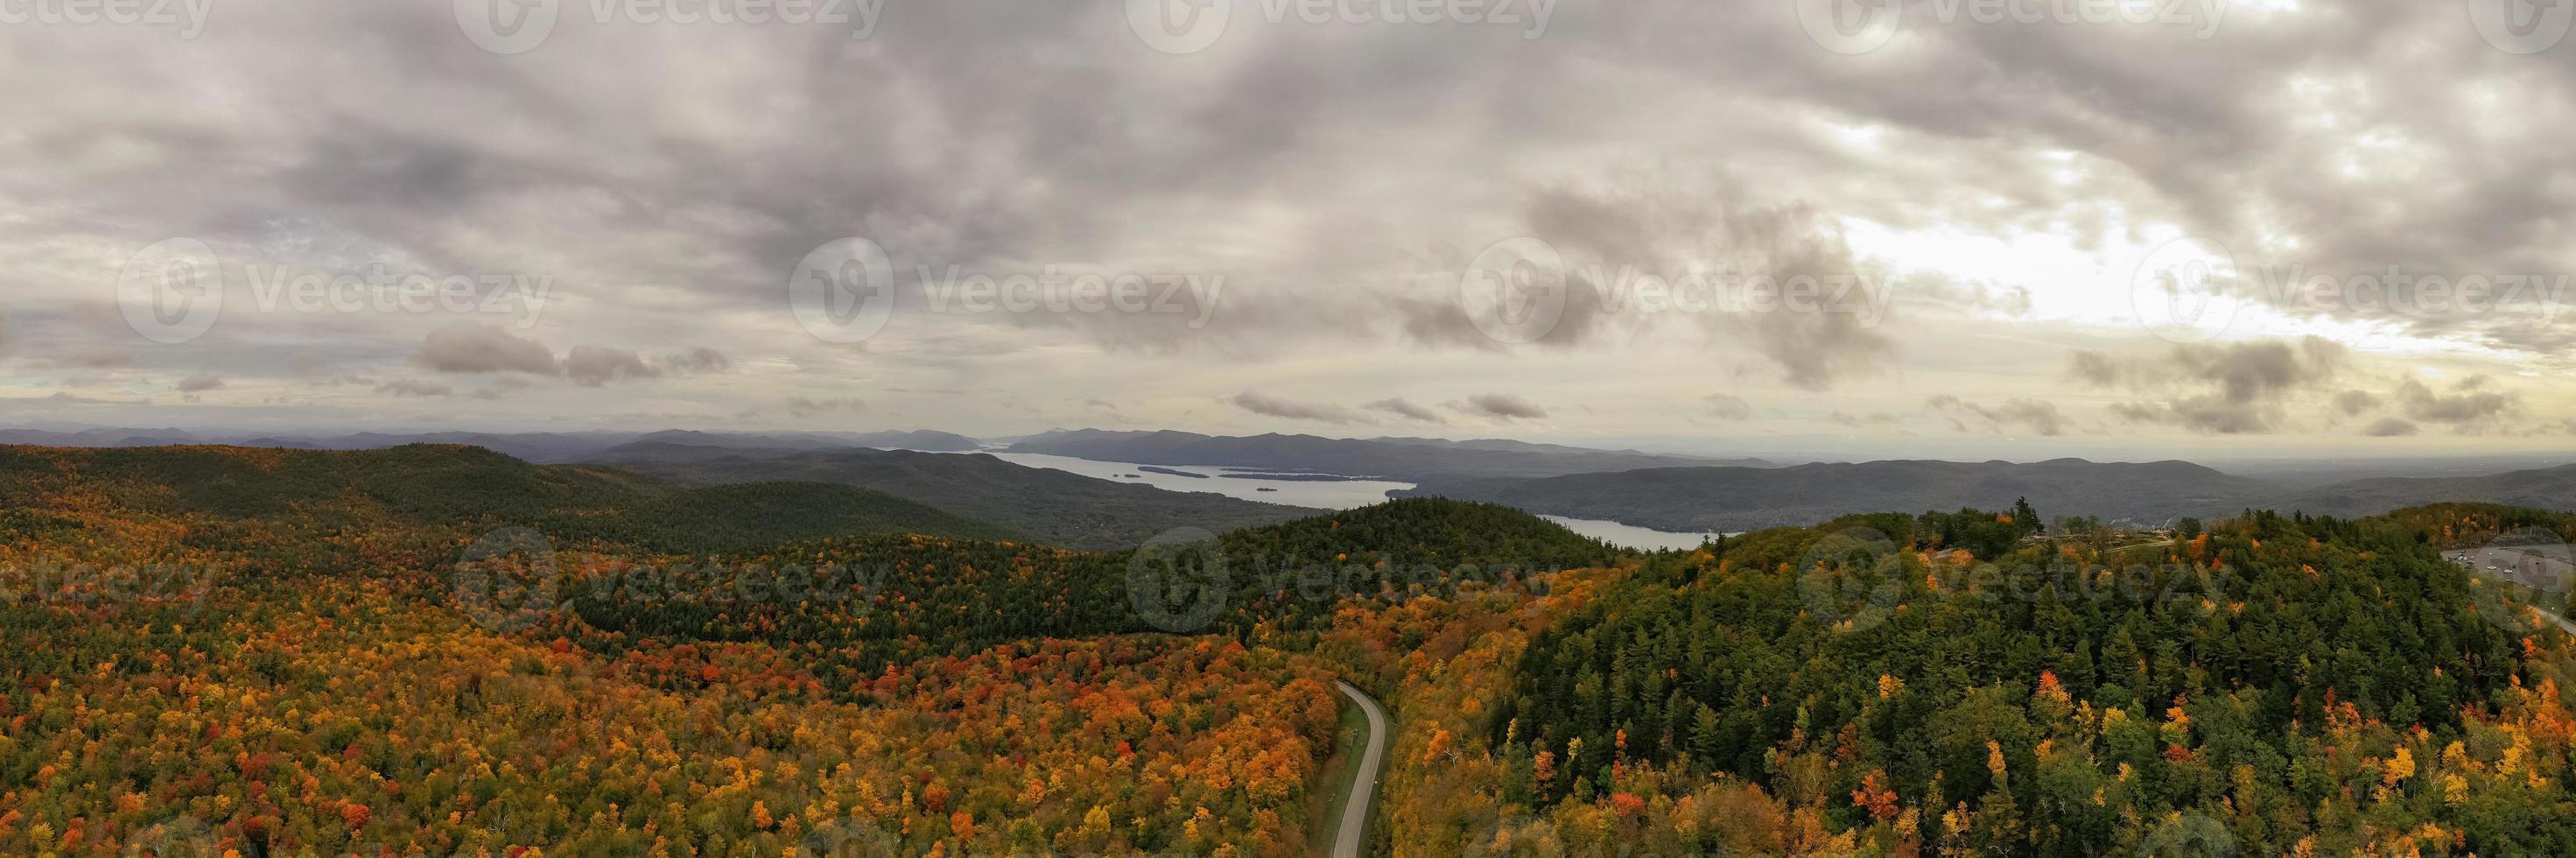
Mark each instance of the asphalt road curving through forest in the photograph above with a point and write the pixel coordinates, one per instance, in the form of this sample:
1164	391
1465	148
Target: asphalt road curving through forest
1352	839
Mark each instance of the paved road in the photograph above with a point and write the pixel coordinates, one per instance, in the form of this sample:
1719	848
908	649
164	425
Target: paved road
1353	837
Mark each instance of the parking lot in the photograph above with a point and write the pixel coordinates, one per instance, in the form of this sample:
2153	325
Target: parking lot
2548	567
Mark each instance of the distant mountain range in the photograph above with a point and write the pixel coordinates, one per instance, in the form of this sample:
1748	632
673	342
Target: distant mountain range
1057	507
1739	499
1664	492
1408	459
2151	493
2544	488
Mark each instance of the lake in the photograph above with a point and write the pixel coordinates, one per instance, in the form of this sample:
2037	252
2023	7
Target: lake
1322	494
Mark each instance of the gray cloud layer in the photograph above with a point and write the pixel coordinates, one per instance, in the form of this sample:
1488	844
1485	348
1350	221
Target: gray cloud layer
662	183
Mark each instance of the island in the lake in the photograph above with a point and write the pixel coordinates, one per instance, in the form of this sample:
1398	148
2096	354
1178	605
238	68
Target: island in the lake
1298	478
1167	471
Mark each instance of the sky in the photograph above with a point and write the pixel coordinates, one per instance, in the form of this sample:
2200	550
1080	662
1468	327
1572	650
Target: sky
2013	228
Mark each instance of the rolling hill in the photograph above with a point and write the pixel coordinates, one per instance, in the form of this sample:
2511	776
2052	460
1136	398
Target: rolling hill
455	489
1057	507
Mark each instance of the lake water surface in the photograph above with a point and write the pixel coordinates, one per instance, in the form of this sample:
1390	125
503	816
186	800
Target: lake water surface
1322	494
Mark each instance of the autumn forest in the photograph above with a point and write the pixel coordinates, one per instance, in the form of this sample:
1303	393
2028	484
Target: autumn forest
441	650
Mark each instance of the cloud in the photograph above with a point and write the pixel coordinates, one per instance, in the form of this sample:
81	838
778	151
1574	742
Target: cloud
410	387
8	338
2261	371
1875	418
1364	173
1725	406
2232	389
1402	408
478	349
1289	409
2389	427
1501	406
2472	406
593	366
2094	368
802	407
2038	417
696	361
2353	402
199	383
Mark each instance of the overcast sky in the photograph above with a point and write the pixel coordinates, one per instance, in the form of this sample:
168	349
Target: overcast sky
1728	221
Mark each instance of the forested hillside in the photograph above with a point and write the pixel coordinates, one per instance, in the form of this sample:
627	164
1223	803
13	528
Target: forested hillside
442	651
438	650
2274	685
